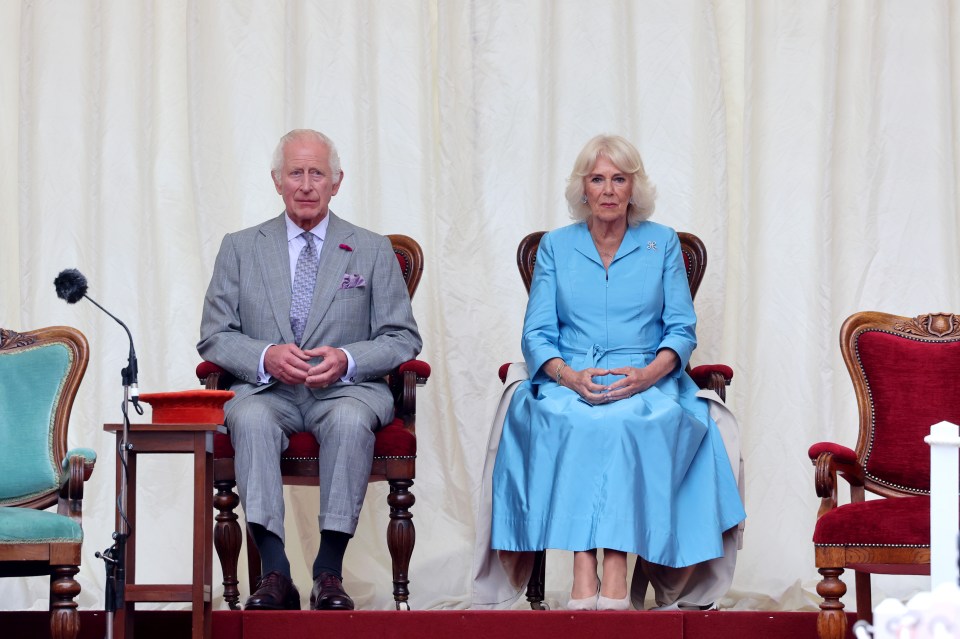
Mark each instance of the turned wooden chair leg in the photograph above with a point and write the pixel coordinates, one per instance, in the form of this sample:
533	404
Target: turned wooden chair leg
227	538
401	536
64	618
537	583
831	622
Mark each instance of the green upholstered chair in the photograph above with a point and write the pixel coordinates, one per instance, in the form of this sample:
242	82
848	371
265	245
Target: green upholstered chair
40	372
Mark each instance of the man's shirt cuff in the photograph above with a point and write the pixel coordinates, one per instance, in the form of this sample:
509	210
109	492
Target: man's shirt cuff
350	377
263	377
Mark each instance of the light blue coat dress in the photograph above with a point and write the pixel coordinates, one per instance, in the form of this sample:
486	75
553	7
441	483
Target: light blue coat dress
648	474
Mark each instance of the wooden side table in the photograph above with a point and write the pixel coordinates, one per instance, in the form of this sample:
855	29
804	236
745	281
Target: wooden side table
148	439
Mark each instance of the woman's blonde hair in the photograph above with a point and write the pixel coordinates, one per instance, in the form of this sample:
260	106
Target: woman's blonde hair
626	158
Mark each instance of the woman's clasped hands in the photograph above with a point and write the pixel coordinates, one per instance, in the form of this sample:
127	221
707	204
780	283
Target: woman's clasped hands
632	381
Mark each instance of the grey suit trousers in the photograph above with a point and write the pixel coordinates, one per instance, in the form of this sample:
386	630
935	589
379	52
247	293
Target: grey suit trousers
260	426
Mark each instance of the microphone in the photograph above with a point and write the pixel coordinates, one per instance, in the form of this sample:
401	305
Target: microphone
71	286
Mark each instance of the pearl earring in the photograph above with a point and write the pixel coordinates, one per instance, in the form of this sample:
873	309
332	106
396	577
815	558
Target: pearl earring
583	200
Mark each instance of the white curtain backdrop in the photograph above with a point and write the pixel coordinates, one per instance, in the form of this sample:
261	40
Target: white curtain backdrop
813	145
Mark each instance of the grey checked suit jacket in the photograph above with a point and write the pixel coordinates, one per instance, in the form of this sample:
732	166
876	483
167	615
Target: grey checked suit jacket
247	307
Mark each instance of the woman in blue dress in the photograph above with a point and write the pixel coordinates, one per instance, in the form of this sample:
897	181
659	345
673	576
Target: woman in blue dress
607	445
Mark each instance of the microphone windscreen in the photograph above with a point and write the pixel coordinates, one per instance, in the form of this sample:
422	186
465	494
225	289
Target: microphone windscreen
71	285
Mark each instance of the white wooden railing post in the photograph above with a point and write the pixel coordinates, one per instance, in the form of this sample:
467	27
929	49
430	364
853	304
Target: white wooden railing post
944	441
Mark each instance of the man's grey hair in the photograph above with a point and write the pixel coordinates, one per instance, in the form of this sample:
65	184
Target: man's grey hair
299	134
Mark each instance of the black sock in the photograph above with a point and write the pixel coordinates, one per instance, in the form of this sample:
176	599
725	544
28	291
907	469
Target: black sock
273	556
333	545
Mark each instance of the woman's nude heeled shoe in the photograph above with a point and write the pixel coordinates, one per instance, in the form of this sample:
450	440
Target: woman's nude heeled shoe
587	603
605	603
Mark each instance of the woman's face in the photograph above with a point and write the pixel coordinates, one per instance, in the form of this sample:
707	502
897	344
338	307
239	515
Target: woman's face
608	191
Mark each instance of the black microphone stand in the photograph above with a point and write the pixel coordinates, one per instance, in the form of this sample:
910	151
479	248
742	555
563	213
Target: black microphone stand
114	557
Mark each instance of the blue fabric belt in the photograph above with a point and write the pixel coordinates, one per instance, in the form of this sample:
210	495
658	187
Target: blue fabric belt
596	352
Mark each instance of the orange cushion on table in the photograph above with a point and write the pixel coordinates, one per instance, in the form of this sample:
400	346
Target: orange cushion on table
393	440
187	407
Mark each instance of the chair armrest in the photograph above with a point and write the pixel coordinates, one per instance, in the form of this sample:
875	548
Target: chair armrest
88	458
403	382
419	368
829	460
213	377
715	377
842	454
78	466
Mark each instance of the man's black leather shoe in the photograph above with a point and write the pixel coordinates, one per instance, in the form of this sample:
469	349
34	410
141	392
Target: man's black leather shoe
274	591
328	593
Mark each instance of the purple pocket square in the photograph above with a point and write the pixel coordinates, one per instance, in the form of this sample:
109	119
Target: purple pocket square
352	280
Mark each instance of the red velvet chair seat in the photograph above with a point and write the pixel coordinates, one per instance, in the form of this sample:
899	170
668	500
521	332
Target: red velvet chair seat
900	522
393	440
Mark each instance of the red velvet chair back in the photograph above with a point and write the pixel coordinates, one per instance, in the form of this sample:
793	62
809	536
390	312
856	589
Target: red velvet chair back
904	372
410	257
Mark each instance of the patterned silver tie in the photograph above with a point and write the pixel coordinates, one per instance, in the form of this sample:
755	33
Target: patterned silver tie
303	282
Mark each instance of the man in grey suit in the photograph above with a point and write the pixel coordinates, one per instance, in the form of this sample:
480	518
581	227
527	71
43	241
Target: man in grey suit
308	312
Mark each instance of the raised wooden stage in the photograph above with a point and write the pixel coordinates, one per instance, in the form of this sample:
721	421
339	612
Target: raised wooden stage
442	624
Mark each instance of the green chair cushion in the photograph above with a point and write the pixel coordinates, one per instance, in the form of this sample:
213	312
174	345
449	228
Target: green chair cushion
25	525
31	384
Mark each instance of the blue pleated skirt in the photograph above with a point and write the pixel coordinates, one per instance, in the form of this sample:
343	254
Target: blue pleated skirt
648	474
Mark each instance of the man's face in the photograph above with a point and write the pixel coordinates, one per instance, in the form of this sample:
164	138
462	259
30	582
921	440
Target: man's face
305	182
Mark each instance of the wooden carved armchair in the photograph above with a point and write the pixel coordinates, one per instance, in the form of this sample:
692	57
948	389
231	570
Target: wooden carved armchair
40	372
394	461
904	372
715	377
